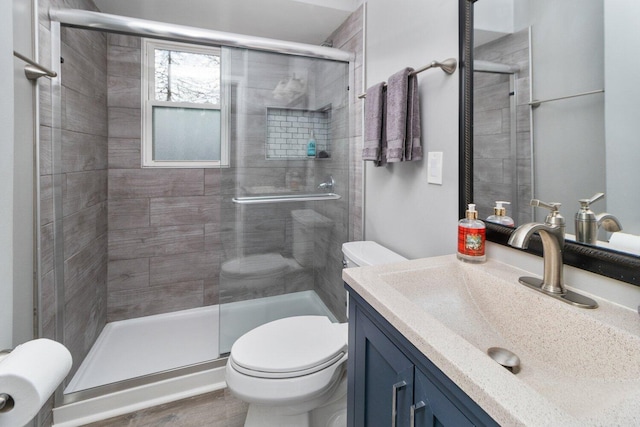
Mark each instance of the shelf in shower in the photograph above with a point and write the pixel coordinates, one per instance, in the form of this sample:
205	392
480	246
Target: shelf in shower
285	198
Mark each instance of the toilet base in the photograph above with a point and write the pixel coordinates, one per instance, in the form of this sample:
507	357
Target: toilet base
332	414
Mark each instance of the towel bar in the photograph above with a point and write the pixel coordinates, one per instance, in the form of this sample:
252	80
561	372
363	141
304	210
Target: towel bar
448	66
254	200
33	70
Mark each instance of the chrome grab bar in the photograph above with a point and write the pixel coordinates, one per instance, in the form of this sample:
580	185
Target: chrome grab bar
255	200
394	401
34	71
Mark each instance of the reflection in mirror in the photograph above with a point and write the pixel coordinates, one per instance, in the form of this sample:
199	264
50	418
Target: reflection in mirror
543	125
550	62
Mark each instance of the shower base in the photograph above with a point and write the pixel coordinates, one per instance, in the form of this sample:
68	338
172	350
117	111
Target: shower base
121	372
138	347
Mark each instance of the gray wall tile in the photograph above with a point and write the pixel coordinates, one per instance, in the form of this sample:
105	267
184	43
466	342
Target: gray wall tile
155	241
137	183
128	213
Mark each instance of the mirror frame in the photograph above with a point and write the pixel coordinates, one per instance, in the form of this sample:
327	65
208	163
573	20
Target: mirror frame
616	265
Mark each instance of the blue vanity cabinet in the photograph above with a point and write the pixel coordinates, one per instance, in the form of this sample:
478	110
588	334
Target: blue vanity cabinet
392	384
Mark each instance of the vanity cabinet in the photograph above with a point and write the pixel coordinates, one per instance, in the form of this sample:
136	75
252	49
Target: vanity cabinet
392	384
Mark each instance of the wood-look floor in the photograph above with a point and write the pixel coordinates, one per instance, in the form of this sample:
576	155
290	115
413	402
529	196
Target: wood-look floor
216	409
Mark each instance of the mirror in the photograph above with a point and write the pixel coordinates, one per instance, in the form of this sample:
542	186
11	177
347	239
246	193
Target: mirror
562	150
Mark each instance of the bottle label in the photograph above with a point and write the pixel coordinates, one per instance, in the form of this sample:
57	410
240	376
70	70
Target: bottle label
471	241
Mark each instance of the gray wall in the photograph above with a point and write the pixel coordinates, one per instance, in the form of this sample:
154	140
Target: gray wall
170	229
402	211
163	223
80	172
6	177
493	164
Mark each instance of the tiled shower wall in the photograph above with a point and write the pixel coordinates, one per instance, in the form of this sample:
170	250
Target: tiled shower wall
74	173
492	162
163	223
289	132
347	213
80	170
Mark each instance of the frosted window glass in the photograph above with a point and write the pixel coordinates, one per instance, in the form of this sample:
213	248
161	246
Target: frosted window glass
186	134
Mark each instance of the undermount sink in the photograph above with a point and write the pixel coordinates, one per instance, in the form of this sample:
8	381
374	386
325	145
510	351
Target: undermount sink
582	364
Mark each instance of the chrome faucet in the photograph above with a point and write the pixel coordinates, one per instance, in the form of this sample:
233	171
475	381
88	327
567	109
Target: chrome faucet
551	233
328	184
588	223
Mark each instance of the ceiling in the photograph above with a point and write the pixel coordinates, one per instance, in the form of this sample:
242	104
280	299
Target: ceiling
304	21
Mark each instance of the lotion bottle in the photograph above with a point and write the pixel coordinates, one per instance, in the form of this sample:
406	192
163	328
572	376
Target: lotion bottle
471	237
311	146
500	215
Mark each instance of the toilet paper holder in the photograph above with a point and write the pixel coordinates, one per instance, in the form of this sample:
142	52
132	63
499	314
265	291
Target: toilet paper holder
6	401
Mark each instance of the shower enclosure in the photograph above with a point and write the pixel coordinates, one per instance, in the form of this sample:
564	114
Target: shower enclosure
179	261
502	160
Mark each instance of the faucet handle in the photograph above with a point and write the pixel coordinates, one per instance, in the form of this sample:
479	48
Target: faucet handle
554	217
553	206
586	202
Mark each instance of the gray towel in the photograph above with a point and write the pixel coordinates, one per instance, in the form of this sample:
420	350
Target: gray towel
413	150
396	117
403	117
374	142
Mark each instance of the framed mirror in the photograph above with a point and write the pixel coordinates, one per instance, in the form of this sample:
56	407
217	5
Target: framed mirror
571	124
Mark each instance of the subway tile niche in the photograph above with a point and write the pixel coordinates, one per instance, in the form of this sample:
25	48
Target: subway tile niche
289	131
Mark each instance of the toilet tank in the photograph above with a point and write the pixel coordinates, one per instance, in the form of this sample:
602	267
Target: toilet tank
361	254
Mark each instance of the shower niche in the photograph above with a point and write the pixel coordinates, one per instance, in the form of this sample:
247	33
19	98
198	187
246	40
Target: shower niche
289	131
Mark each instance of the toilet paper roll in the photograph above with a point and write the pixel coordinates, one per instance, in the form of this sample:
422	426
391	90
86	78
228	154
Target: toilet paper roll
625	242
30	374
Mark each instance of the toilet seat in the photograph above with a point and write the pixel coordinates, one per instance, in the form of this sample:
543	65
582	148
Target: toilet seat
290	347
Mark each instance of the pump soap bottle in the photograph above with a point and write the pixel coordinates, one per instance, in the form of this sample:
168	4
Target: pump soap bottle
500	215
471	237
311	146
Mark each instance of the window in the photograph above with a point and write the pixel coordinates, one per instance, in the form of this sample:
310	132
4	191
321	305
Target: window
183	115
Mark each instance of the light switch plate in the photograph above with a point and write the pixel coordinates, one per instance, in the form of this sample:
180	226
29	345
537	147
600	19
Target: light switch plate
434	167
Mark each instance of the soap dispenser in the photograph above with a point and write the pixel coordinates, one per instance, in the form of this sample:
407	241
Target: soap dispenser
311	146
586	221
500	215
471	237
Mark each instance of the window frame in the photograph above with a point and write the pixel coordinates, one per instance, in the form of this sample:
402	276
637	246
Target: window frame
148	102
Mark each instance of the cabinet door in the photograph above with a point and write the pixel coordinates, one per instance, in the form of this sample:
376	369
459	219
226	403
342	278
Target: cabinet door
383	386
432	408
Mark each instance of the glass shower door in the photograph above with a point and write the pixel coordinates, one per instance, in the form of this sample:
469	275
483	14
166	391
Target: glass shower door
280	253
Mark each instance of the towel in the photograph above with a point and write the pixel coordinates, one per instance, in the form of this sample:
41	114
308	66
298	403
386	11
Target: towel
403	117
374	142
413	149
396	117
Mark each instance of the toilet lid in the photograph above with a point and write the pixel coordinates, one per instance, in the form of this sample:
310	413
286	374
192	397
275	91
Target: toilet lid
290	347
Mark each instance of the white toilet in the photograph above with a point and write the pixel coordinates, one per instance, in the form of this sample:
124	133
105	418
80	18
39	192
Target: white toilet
292	371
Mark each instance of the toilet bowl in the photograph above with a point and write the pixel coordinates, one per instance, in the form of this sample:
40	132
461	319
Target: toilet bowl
292	371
